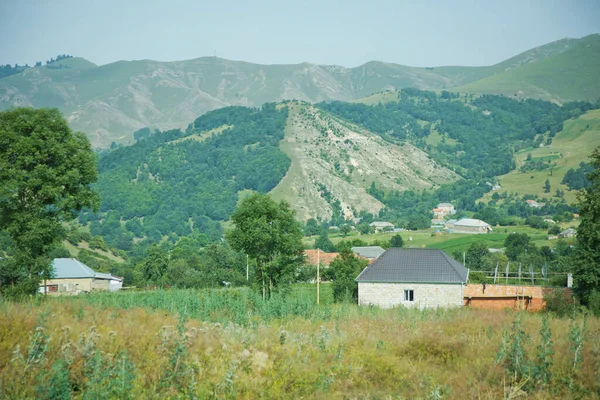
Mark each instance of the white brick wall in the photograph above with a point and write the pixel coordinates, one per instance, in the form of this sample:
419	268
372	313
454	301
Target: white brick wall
388	295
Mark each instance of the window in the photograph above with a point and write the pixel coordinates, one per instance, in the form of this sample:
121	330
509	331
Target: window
409	295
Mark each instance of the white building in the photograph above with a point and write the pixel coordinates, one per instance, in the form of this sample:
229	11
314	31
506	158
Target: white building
469	225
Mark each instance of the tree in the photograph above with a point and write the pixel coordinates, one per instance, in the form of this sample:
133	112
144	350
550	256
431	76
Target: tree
586	271
345	229
516	244
476	255
154	267
45	176
345	268
269	234
547	186
396	241
324	243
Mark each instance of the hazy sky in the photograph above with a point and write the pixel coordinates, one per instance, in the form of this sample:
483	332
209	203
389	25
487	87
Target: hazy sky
343	32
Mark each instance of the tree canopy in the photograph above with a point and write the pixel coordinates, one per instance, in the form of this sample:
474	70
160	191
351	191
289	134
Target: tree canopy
45	176
268	233
587	255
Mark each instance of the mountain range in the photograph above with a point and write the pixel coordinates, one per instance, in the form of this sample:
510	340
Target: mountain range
110	102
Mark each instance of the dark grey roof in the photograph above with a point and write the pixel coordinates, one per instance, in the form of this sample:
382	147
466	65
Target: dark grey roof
368	251
414	265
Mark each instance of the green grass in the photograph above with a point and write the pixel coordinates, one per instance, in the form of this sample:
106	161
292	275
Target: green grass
570	75
450	243
572	145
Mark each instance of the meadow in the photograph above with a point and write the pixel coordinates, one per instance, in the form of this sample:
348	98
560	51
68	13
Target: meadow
450	243
571	146
228	344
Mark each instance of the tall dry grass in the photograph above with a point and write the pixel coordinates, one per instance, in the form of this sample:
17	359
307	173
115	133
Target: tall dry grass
91	347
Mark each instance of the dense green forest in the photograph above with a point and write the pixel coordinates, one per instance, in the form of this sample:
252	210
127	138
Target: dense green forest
478	139
174	183
484	131
184	183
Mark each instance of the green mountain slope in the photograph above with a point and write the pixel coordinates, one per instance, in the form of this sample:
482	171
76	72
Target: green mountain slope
111	101
163	185
571	146
572	74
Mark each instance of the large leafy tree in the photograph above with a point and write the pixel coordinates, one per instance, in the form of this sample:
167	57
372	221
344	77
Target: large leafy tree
268	233
587	255
345	268
45	176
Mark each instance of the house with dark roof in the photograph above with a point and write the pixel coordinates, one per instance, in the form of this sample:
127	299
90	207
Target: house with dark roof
71	276
368	252
412	278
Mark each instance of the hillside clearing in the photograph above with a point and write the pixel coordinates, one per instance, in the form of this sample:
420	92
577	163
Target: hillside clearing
571	146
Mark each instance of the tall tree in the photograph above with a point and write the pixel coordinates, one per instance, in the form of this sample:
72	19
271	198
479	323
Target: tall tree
324	243
269	234
45	176
345	268
586	273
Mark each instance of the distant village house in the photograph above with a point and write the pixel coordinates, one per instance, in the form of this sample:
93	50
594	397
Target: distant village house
443	209
70	276
470	225
381	226
569	233
314	257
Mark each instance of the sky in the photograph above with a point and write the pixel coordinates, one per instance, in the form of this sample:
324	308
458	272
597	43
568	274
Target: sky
348	33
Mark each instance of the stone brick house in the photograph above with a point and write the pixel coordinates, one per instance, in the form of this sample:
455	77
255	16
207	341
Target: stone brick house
413	278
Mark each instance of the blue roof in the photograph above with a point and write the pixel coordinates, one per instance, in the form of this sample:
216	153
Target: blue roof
72	268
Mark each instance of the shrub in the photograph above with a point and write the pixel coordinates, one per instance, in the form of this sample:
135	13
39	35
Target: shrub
560	302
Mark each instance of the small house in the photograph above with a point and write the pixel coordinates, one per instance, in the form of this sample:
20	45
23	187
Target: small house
369	252
569	233
381	226
70	276
450	224
533	203
443	209
470	225
314	257
412	278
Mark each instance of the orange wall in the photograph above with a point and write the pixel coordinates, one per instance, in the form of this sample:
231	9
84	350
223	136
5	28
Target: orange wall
505	296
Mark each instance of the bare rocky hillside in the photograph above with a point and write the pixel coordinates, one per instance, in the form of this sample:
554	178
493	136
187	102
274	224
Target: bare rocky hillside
333	160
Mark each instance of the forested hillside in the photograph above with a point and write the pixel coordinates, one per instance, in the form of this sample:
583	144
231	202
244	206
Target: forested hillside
475	136
179	183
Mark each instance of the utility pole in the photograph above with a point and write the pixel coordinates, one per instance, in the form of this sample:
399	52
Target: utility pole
318	276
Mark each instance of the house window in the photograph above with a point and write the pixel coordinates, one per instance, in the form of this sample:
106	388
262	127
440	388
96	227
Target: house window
409	295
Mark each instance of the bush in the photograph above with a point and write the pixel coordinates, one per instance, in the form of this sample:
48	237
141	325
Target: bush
561	303
594	303
477	277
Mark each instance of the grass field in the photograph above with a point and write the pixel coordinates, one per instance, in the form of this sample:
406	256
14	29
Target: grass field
572	145
450	243
570	75
231	345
